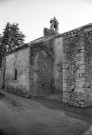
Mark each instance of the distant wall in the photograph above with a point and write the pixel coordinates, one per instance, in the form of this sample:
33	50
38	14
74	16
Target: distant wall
19	61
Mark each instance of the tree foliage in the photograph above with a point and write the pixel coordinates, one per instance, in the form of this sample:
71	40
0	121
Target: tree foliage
0	49
12	37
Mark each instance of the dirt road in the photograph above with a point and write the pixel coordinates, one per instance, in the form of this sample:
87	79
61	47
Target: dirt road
22	116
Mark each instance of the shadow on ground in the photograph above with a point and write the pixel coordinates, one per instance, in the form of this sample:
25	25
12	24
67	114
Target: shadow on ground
1	96
1	133
84	114
8	131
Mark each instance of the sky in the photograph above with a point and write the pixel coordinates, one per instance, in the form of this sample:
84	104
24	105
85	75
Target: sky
34	15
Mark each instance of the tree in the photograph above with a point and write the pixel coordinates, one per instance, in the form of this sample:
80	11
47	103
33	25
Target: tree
12	37
0	50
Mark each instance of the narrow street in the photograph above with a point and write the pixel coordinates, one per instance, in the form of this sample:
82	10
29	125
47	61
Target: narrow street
22	116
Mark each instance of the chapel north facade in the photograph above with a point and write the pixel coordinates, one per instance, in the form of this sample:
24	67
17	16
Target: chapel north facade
53	64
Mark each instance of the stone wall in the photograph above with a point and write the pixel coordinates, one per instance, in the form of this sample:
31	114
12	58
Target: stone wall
73	70
61	64
88	66
40	69
3	72
0	78
20	61
58	65
48	32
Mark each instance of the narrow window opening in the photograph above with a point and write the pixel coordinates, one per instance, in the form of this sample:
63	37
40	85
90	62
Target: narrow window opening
15	74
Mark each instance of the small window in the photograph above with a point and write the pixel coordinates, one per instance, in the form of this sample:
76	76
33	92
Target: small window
15	78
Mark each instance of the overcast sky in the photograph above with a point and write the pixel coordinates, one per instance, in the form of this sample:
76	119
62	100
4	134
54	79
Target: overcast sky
34	15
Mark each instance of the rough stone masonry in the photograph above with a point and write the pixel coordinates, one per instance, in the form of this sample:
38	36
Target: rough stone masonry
77	67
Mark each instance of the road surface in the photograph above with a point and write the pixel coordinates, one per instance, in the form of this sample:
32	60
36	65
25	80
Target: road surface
22	116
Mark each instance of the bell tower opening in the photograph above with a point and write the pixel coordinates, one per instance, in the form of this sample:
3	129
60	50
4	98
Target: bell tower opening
54	25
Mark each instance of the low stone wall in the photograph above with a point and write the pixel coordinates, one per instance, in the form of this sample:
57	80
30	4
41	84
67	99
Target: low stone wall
18	90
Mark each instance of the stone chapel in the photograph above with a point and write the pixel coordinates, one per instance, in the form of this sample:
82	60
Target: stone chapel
52	64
